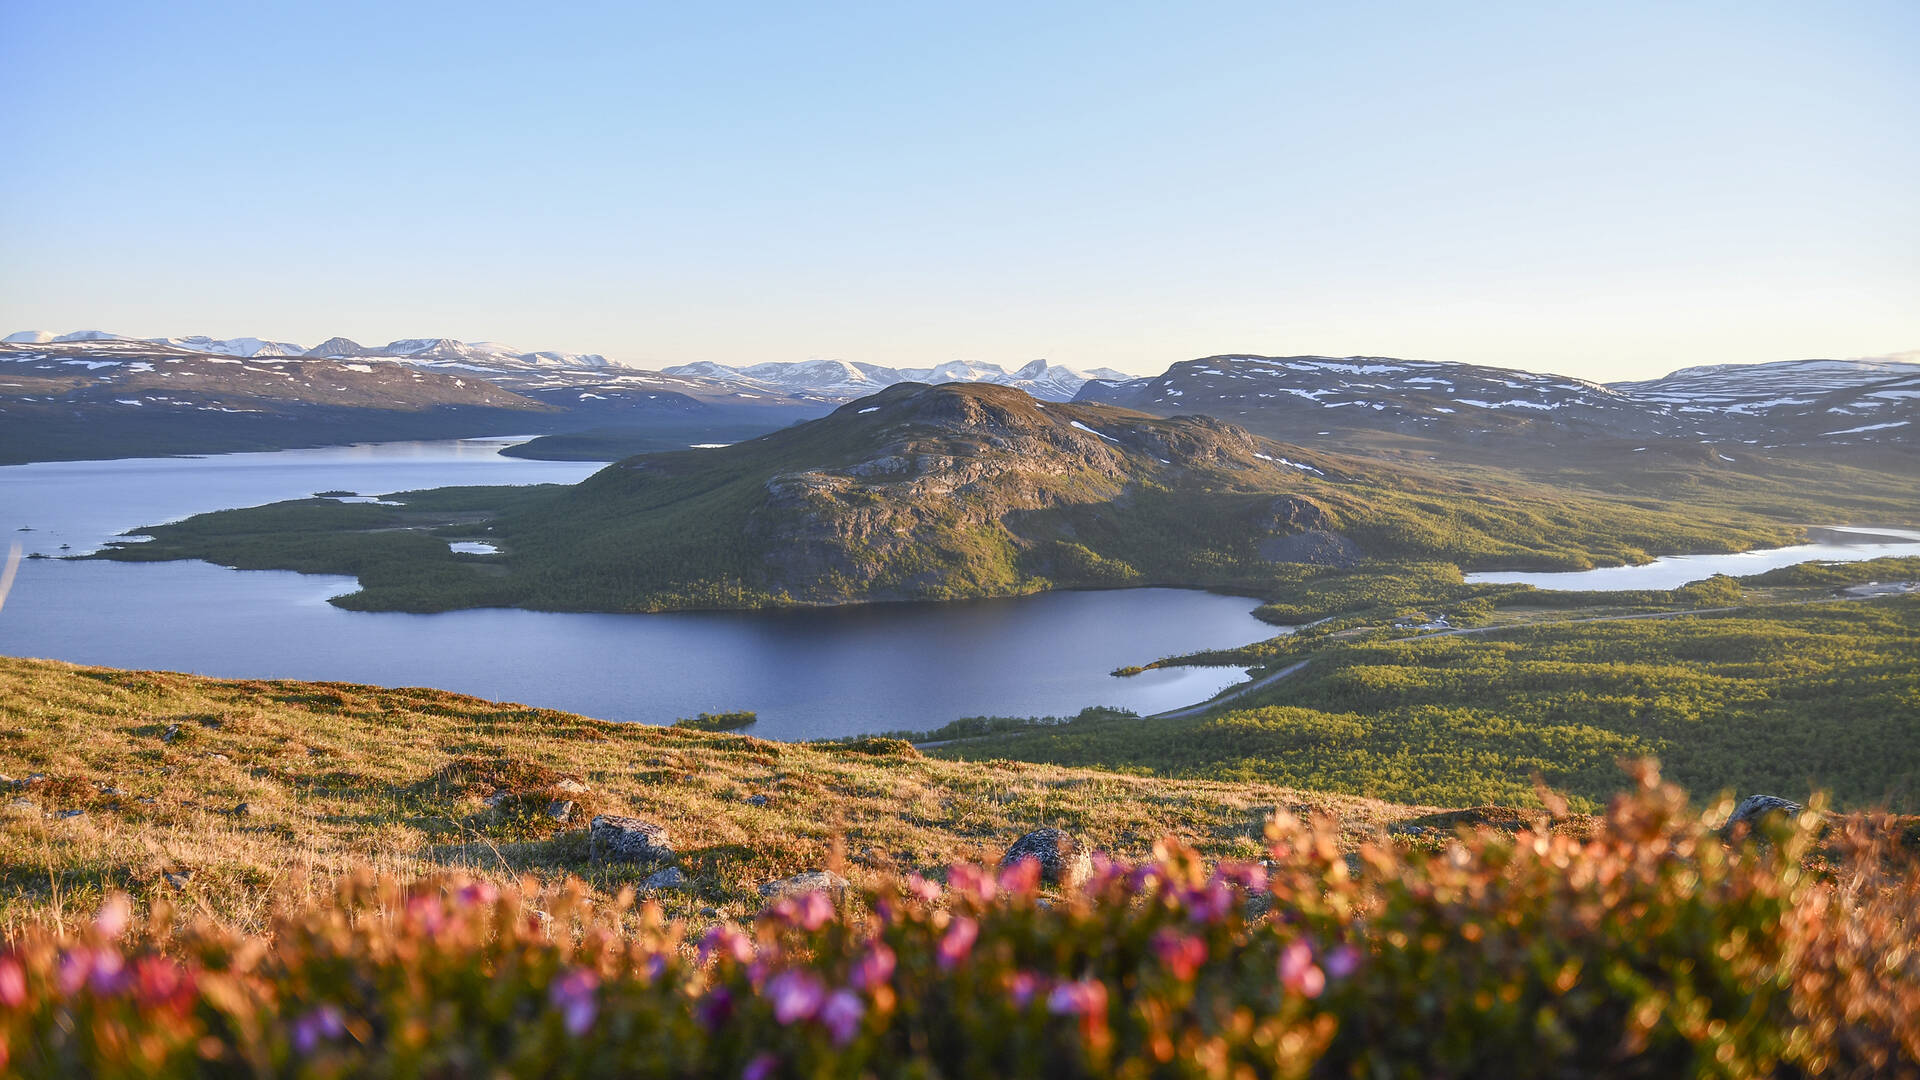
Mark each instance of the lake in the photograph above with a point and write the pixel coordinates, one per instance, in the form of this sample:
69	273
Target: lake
1834	544
814	673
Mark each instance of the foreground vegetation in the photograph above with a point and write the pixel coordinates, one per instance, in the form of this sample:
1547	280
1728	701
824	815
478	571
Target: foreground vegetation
1652	948
1788	699
227	797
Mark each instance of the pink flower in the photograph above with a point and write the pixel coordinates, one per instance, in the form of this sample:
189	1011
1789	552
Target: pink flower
923	890
796	996
71	975
841	1015
1181	954
114	916
477	893
812	910
761	1067
726	941
971	881
958	941
573	993
874	967
1021	877
1087	997
13	983
1105	872
1298	972
715	1009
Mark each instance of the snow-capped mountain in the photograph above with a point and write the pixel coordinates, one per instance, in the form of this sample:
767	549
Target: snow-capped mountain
839	379
1287	393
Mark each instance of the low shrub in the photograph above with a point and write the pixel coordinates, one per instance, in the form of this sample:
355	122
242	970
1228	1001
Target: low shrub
1652	947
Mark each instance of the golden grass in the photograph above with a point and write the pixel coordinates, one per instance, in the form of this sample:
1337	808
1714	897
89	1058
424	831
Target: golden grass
339	778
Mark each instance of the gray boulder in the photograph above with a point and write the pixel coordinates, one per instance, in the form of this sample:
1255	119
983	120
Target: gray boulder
560	810
627	839
812	881
1754	807
1064	860
670	878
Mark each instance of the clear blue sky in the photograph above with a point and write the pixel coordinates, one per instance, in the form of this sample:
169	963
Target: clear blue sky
1604	189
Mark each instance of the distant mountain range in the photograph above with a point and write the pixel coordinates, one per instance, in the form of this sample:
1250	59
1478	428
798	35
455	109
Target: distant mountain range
1794	402
841	380
90	380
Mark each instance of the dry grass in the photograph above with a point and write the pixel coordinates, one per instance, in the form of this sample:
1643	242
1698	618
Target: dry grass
338	777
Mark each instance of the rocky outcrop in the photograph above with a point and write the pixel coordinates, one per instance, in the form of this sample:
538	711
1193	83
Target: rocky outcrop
812	881
611	838
1755	808
1064	860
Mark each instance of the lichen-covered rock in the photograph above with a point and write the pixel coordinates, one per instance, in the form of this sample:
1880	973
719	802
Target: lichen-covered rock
1064	860
670	878
560	810
812	881
626	839
1754	807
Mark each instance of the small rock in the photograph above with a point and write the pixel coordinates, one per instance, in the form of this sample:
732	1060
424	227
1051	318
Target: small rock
812	881
34	778
1754	807
571	786
560	809
178	879
211	756
496	799
627	839
62	815
1401	828
24	804
670	878
107	789
756	800
1064	860
172	733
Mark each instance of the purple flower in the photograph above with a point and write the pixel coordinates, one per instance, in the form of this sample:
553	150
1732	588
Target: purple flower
1342	961
71	975
715	1009
574	994
1210	903
1249	876
1105	872
796	996
1022	986
760	1067
874	967
1298	972
841	1015
1084	998
958	941
324	1022
107	973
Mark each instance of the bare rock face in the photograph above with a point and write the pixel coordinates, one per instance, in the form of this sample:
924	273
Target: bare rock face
1755	807
812	881
1064	860
626	839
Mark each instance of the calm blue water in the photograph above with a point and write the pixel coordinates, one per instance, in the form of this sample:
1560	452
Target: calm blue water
1836	544
809	674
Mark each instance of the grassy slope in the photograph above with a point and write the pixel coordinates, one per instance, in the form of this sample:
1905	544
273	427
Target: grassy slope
1783	699
339	777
